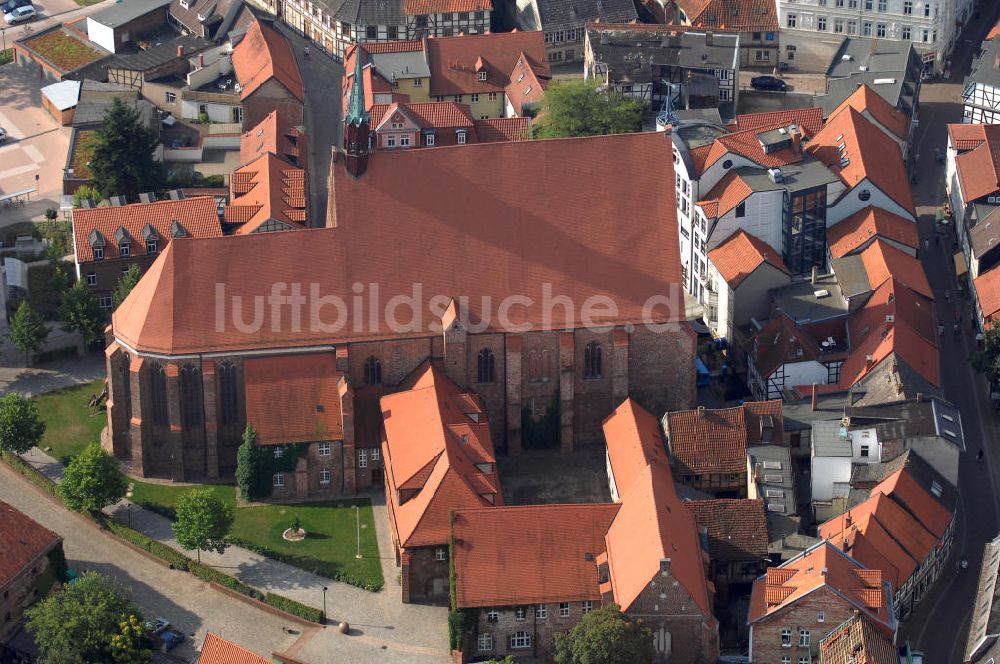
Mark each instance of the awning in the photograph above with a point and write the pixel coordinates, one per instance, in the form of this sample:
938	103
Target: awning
960	266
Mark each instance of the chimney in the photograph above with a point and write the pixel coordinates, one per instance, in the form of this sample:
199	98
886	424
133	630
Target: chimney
869	362
701	412
796	140
180	51
848	520
201	59
708	38
664	566
814	276
815	397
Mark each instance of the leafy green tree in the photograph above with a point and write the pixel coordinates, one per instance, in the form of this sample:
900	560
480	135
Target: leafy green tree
85	193
126	283
77	624
92	480
506	660
131	644
605	636
21	428
59	281
251	470
988	361
81	313
585	108
202	522
123	163
28	330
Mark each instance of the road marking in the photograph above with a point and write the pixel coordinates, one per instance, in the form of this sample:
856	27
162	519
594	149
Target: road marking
34	153
12	129
20	170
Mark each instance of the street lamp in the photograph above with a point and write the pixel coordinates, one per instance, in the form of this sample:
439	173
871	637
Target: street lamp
324	604
357	514
128	503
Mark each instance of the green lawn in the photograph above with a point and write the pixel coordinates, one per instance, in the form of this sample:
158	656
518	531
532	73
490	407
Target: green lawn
331	541
6	56
70	425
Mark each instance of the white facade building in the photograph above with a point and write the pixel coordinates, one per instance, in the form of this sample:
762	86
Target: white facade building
931	25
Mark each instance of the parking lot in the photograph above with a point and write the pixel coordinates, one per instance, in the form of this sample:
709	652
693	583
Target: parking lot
35	150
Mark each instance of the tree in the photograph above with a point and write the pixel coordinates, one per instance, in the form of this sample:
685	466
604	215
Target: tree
584	108
506	660
85	193
21	428
78	624
59	281
28	330
202	522
129	645
251	460
988	361
126	283
605	636
92	480
81	313
122	162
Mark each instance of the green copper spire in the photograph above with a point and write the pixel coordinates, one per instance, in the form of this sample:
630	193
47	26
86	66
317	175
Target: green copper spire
356	113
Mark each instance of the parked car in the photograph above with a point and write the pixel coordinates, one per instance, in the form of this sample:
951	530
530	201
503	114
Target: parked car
170	639
157	627
11	5
20	15
768	83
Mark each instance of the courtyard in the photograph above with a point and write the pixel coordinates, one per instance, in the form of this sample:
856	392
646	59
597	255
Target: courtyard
538	477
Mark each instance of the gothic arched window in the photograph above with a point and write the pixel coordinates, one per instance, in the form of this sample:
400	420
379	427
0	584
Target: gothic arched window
486	367
373	371
592	360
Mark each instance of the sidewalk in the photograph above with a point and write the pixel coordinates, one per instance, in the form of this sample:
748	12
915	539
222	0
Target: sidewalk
30	381
412	628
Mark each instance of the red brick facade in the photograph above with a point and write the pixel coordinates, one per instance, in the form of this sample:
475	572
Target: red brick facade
804	628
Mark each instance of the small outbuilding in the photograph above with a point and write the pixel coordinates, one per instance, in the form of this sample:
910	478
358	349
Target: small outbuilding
60	100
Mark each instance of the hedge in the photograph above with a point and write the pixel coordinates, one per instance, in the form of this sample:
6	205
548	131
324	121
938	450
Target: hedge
175	558
297	562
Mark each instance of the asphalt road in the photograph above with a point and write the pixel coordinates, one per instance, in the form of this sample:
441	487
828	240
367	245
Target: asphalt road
940	625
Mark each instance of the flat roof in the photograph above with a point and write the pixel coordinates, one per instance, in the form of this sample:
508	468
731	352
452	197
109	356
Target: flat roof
124	11
64	95
806	174
621	47
800	302
984	68
876	55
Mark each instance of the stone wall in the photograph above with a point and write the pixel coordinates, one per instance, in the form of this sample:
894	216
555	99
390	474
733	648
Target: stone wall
19	593
803	615
541	630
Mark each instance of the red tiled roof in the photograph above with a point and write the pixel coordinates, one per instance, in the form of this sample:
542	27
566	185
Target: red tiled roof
532	554
527	83
714	440
263	54
882	261
731	15
858	641
426	115
737	529
818	567
987	288
966	136
274	134
865	99
294	398
810	119
919	502
199	216
979	168
781	341
417	7
264	189
217	650
910	336
729	192
492	130
22	540
404	222
858	230
871	155
410	46
747	144
994	31
455	62
434	437
740	255
634	441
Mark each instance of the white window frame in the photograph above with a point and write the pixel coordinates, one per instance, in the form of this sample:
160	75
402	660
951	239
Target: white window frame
541	611
786	637
404	141
440	554
520	614
105	302
324	449
278	479
587	607
520	640
564	609
485	642
279	452
460	137
362	458
429	139
821	616
151	246
473	98
325	476
91	278
170	97
125	250
482	76
492	615
804	638
98	253
376	454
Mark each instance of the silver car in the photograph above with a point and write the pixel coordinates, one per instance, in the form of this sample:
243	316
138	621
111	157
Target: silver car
20	15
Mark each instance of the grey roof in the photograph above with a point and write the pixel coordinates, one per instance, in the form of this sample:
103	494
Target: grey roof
90	85
159	53
799	415
902	420
622	48
64	95
219	16
703	114
409	64
890	68
984	630
851	275
985	70
806	174
891	380
91	111
800	302
368	12
124	11
828	441
556	13
985	235
779	496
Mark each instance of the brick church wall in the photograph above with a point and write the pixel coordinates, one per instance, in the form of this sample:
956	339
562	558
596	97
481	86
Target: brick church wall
801	615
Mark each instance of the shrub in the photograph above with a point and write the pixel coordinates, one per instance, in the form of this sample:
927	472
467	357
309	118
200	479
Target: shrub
460	622
29	472
294	608
51	214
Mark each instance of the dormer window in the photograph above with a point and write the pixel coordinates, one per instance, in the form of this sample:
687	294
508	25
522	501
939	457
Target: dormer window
176	230
98	253
125	250
124	241
482	76
150	246
461	135
185	4
96	242
150	236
